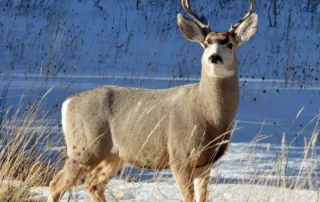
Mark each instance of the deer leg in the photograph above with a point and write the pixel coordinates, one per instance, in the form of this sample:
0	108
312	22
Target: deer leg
65	179
201	180
99	177
184	179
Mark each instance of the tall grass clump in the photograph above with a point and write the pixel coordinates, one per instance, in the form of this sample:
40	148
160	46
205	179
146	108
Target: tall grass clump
26	157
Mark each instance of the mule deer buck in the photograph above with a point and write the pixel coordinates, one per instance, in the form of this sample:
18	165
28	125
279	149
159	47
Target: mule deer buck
185	128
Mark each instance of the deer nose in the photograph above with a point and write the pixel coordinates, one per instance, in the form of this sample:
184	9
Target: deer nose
215	59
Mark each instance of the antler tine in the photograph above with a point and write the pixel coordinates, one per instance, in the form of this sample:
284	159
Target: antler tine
186	7
252	7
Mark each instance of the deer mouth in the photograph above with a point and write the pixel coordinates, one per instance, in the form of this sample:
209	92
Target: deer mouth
217	64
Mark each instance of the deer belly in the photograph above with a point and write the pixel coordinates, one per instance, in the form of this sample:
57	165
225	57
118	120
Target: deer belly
147	160
143	144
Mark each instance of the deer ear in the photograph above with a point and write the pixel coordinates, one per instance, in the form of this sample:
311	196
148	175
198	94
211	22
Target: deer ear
247	28
190	30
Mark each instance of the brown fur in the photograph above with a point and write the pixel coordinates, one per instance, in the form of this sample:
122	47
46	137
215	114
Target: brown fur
185	128
150	128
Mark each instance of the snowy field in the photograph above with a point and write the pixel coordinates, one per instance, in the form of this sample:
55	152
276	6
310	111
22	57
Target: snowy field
254	154
65	47
165	192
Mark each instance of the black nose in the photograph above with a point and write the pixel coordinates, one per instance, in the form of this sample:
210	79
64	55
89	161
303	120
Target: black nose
215	58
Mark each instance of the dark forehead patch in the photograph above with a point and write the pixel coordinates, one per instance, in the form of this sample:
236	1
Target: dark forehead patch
223	41
221	38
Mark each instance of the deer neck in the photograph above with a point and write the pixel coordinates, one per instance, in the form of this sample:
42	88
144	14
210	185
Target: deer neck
218	98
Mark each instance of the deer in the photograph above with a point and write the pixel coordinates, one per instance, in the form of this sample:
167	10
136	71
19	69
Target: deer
185	129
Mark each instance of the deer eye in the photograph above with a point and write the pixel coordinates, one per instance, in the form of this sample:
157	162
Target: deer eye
229	46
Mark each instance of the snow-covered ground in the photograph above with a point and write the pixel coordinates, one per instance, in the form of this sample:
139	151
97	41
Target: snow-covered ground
119	190
255	147
72	46
140	38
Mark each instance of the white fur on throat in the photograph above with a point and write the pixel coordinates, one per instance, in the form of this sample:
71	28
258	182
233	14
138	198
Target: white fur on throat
217	70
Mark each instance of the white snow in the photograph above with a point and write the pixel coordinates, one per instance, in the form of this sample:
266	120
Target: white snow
119	190
76	46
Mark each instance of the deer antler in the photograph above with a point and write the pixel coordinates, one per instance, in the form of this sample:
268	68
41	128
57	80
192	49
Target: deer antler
233	28
186	7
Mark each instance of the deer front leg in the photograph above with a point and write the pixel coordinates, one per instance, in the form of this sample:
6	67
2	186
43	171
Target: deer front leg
201	181
184	178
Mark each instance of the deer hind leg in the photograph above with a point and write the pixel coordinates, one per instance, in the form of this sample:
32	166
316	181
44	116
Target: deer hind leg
184	179
201	181
65	179
99	177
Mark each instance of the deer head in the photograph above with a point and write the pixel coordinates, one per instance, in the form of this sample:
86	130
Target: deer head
219	58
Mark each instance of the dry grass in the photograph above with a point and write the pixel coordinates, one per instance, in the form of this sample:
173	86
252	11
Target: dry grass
25	165
24	159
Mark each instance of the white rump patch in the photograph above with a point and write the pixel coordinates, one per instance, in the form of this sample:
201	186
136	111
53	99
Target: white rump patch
64	114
